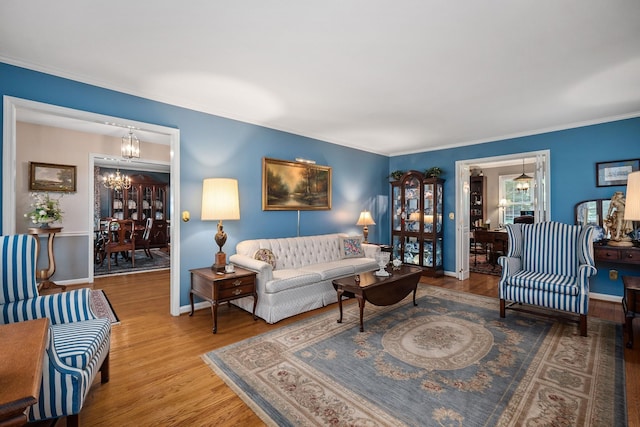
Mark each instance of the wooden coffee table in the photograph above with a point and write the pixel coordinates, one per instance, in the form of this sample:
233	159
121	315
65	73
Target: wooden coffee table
378	290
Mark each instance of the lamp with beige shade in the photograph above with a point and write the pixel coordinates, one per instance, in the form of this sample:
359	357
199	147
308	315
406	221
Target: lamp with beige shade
365	220
632	205
220	201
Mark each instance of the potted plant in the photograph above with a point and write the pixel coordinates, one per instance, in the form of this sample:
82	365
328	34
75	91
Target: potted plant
396	175
433	172
44	210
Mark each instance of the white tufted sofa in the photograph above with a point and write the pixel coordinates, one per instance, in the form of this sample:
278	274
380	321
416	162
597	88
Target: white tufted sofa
305	268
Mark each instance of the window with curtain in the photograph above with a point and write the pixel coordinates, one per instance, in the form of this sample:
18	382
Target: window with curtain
516	200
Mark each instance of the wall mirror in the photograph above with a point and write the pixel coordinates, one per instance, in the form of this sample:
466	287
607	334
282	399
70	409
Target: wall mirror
593	212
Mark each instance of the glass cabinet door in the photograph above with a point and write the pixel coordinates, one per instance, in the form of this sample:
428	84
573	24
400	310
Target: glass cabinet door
159	203
396	209
432	257
412	251
132	203
147	200
412	203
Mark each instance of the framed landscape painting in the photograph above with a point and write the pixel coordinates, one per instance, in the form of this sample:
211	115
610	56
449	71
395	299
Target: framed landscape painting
295	186
51	177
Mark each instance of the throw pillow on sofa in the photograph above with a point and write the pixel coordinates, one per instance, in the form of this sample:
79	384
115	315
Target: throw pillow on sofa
351	247
267	256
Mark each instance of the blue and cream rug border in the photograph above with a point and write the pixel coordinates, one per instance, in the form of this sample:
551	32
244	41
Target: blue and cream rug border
449	361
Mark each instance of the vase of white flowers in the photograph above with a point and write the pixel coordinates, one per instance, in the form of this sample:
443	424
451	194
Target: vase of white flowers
44	210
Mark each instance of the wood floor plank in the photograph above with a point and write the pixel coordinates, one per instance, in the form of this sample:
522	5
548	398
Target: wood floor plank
159	378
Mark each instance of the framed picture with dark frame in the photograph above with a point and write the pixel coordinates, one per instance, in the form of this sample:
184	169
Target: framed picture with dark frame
615	172
52	177
288	185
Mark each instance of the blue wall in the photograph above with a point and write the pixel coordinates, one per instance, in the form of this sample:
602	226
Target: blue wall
212	146
574	154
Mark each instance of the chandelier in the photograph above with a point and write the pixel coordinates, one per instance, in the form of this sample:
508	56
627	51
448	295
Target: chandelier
130	147
117	182
522	182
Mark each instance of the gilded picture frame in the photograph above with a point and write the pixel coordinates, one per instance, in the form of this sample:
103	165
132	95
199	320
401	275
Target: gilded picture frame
52	177
288	185
615	172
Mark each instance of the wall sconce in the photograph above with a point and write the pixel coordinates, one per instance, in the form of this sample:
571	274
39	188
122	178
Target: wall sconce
365	220
220	201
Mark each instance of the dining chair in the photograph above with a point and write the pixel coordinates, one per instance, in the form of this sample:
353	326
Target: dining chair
121	240
143	241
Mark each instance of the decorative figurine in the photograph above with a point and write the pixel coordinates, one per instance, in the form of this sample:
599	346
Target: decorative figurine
615	222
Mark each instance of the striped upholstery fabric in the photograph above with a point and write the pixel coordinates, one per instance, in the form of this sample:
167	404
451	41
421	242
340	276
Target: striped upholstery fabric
548	264
64	387
78	343
65	307
18	268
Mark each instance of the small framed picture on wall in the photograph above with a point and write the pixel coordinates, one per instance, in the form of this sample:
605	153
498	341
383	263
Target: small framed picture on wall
615	172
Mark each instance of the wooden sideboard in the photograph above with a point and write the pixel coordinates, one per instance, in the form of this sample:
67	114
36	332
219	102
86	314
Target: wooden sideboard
617	255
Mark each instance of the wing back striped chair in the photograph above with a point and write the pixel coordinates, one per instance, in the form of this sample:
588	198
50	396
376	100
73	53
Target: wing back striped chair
78	344
548	264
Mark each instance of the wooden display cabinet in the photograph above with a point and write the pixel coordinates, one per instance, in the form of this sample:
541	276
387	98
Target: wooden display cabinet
417	222
477	194
146	198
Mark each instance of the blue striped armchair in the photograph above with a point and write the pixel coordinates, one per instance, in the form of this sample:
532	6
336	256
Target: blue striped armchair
548	264
78	343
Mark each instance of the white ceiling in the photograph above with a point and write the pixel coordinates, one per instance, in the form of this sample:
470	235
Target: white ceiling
388	77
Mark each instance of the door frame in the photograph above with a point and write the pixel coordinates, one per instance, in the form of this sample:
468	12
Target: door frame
542	198
9	170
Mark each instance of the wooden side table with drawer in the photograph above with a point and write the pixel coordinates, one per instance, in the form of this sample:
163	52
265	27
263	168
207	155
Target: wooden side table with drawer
216	288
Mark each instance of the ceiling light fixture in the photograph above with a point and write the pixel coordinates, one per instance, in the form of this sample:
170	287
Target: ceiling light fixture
117	182
522	182
130	147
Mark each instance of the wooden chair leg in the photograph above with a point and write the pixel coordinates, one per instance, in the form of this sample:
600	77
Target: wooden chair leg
583	325
502	308
73	420
104	370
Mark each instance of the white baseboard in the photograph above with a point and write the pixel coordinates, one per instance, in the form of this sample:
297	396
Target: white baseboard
605	297
197	306
72	282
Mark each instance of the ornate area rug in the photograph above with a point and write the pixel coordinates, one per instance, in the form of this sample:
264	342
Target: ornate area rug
478	264
102	307
449	361
160	260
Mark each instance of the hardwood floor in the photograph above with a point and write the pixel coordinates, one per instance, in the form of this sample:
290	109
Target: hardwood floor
158	377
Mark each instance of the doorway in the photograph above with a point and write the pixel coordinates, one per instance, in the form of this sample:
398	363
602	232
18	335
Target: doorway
16	109
150	180
540	189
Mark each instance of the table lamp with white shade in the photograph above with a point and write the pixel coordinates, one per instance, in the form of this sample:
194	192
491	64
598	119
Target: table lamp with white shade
365	220
220	202
632	202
